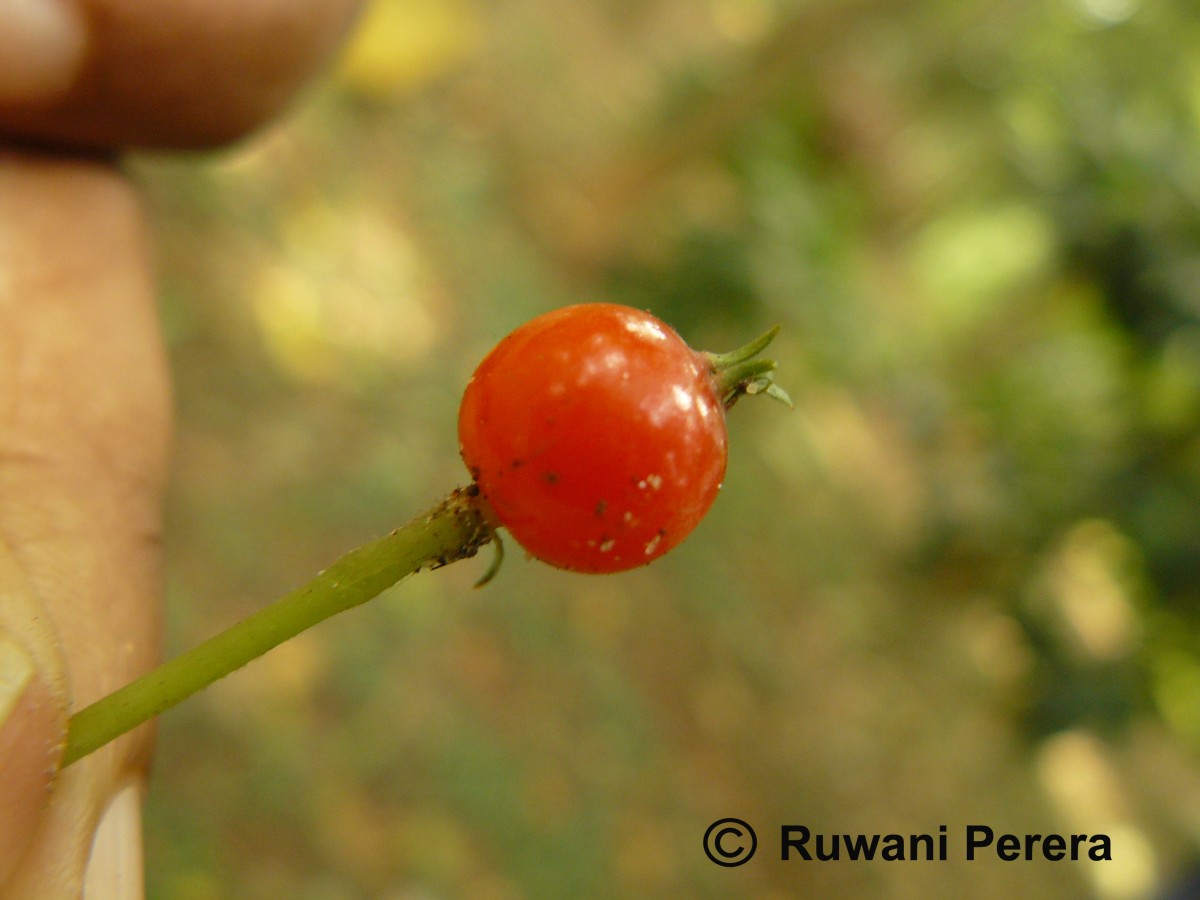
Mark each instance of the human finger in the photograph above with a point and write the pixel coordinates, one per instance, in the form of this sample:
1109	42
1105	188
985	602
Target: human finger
172	74
84	415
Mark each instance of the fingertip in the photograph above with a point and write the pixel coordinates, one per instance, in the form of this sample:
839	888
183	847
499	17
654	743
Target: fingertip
32	735
42	44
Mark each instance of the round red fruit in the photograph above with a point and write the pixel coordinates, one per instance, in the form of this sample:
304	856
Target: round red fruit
596	436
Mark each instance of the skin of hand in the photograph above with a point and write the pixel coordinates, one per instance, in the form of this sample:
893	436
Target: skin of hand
84	414
84	386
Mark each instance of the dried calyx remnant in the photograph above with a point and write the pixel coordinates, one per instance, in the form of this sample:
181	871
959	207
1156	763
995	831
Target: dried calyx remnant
466	508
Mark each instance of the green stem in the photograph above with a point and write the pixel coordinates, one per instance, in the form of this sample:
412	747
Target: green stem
453	530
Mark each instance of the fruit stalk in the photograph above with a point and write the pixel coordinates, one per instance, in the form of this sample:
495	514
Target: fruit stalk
455	529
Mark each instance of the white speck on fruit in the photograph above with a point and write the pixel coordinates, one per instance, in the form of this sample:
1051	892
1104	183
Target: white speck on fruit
652	544
682	398
607	545
655	481
643	329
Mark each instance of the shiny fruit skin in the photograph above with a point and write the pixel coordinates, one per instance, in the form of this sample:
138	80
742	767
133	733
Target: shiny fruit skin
595	436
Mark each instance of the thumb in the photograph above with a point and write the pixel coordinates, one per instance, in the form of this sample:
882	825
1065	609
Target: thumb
33	712
42	46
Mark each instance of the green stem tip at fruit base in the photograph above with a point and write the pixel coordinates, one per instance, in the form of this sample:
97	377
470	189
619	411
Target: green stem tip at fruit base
454	529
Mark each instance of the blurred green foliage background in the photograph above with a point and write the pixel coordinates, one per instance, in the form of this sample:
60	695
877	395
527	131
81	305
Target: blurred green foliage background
958	584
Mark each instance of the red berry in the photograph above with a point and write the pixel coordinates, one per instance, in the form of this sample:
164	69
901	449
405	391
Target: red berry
596	436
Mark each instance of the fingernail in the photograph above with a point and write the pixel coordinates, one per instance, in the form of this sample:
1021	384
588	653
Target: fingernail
30	737
41	49
114	870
